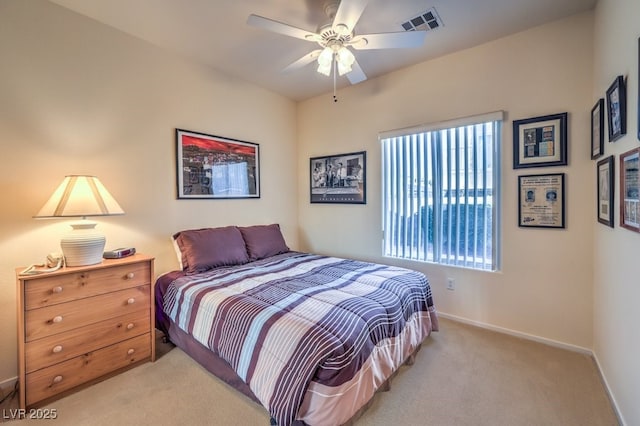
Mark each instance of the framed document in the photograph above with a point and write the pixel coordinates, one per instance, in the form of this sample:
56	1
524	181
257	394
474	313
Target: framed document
630	190
541	201
605	182
540	141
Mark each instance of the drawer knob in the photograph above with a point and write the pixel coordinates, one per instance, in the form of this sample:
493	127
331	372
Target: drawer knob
131	351
131	301
57	379
130	326
57	289
57	349
57	319
130	275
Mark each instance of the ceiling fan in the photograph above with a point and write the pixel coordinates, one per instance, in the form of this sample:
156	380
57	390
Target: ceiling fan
336	37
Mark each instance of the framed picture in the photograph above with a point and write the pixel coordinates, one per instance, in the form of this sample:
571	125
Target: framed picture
597	124
541	201
606	181
540	141
339	178
211	166
630	190
617	109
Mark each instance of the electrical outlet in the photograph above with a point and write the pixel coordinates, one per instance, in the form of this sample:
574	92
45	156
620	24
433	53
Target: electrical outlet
451	284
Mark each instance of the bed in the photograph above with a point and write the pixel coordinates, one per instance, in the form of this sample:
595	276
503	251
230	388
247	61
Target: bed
309	337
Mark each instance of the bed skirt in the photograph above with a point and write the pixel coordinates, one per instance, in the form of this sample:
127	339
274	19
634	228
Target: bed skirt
323	406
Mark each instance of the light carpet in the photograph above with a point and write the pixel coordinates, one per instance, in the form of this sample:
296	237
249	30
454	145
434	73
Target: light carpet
463	375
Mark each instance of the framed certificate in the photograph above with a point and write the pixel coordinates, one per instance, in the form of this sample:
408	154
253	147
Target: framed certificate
630	190
541	201
540	141
605	182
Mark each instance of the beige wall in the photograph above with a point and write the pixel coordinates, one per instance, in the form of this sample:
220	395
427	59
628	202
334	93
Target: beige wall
615	251
545	286
79	97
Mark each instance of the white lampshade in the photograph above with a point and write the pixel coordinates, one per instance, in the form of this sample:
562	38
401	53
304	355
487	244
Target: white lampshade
81	196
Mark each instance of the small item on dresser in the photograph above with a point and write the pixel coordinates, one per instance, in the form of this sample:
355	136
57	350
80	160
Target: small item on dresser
54	262
119	253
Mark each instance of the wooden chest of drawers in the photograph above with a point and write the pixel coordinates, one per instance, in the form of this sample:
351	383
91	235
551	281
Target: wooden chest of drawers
79	325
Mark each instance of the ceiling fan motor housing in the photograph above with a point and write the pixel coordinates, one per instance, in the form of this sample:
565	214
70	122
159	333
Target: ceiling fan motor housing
330	38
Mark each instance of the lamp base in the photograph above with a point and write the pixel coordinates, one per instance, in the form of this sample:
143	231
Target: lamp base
83	246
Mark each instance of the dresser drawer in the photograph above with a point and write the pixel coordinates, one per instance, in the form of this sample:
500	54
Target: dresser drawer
63	317
63	346
46	291
50	381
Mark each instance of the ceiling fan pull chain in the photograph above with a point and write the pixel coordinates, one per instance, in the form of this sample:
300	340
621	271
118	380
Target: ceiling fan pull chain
335	65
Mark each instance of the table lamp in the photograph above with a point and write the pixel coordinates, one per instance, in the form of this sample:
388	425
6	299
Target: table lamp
81	196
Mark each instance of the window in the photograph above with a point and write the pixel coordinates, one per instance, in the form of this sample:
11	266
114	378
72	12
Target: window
441	192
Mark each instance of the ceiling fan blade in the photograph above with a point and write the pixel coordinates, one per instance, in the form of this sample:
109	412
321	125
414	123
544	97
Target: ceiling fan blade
305	60
347	15
356	75
281	28
389	40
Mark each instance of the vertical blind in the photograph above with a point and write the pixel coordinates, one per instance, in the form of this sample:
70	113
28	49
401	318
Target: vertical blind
441	192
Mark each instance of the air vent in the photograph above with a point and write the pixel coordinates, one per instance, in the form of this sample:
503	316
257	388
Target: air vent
425	21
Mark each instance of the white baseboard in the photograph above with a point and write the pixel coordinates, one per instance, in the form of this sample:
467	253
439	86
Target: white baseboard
7	386
10	382
614	403
515	333
550	342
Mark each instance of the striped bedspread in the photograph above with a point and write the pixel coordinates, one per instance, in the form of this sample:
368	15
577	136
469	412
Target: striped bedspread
296	318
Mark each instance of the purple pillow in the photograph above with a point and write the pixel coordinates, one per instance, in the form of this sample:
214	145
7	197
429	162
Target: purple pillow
263	241
208	248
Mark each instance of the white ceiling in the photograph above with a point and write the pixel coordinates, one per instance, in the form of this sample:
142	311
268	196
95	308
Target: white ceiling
215	32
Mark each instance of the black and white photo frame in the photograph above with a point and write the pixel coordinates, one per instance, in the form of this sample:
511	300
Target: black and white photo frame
597	129
617	109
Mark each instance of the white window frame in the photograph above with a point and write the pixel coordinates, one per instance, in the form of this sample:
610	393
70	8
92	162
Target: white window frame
403	150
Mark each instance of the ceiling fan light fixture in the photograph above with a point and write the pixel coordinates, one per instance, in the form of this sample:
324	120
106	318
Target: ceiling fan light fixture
324	69
345	59
326	56
325	60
